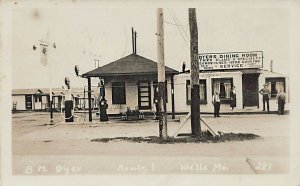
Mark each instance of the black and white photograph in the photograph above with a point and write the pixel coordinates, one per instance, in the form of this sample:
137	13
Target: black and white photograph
149	93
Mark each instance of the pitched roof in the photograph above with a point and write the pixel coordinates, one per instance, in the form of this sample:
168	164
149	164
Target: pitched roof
132	64
47	90
44	91
60	91
27	91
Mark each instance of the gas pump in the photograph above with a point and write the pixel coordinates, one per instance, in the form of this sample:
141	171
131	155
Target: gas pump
68	102
103	106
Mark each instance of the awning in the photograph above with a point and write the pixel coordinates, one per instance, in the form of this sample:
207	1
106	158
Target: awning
244	71
250	71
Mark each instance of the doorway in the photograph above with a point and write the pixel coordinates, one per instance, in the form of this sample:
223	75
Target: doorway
250	90
28	102
144	95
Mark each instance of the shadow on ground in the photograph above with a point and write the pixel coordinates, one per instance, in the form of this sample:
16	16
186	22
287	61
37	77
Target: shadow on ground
201	138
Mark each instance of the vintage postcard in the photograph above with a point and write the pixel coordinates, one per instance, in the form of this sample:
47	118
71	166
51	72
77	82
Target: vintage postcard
149	93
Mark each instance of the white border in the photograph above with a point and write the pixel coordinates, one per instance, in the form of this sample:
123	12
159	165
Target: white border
5	99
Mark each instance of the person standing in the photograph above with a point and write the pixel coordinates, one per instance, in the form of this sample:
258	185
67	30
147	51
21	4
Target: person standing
233	98
216	102
103	110
281	101
265	93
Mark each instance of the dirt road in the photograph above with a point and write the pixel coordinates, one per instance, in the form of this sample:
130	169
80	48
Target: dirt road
62	149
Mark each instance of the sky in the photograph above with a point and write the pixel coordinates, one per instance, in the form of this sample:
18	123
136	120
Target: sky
100	30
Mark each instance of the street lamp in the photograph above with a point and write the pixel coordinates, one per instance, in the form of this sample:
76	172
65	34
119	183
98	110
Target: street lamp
44	60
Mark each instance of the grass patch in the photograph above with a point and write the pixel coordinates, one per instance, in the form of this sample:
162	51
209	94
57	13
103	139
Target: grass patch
201	138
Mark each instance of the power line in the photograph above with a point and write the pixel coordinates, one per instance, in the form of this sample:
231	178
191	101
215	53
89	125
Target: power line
178	22
178	28
171	23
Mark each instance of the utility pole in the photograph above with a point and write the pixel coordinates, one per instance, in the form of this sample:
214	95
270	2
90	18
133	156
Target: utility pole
161	76
195	96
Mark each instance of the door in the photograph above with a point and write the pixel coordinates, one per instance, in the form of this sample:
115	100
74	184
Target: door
28	102
37	102
144	95
250	90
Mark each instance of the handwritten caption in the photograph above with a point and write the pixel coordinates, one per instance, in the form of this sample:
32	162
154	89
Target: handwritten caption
58	169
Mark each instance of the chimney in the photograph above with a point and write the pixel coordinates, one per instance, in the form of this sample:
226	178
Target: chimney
134	42
271	66
183	67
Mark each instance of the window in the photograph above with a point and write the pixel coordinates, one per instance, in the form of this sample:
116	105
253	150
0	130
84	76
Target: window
223	86
76	101
37	98
275	84
202	87
118	93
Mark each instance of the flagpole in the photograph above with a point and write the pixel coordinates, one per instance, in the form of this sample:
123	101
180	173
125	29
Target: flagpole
50	73
45	51
50	92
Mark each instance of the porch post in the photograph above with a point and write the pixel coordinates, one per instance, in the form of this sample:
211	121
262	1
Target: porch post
172	97
53	103
90	99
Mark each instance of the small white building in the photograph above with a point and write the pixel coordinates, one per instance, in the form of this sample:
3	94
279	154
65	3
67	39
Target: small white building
220	72
132	82
29	99
39	99
247	83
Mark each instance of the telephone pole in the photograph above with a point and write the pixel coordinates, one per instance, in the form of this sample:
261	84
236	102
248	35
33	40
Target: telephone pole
162	114
195	96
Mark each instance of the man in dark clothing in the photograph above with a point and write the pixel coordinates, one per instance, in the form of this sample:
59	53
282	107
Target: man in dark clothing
265	93
216	102
281	97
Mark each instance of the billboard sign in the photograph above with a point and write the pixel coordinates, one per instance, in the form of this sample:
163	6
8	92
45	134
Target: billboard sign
231	60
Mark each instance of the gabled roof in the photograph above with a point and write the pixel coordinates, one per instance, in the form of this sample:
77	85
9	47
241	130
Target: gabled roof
45	91
27	91
55	91
132	64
